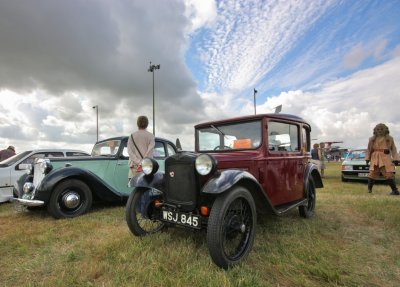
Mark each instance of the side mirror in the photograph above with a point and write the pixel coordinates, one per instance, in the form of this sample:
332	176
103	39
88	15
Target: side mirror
23	166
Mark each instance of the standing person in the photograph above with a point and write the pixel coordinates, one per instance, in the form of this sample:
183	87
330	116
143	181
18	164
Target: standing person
322	158
140	145
382	157
315	155
6	153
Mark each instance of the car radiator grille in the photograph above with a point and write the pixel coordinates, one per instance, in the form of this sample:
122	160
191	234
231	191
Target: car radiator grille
360	167
181	182
37	175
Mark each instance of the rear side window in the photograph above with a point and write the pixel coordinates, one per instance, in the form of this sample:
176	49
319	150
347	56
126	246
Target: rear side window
74	153
171	150
283	137
159	150
54	154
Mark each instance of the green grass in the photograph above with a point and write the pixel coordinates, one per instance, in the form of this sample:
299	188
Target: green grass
354	240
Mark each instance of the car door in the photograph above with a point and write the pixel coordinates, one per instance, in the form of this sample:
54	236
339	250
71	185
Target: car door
285	165
121	171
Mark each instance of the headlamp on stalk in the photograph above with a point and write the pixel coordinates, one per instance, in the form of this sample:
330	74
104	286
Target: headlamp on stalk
149	166
205	164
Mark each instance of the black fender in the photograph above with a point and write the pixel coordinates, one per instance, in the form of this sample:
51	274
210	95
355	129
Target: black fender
19	184
223	181
156	181
313	172
99	188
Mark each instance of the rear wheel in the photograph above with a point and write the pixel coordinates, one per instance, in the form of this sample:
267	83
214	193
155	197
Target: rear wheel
70	198
307	211
141	214
231	227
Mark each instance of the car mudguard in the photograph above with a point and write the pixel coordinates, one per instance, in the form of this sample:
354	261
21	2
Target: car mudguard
226	179
149	181
19	184
99	188
313	172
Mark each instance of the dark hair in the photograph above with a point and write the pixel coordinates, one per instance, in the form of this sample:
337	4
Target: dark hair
142	122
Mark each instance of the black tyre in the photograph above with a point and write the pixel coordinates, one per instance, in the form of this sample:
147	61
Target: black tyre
141	215
70	198
307	211
231	227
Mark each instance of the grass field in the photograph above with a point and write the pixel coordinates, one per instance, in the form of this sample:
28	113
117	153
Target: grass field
354	240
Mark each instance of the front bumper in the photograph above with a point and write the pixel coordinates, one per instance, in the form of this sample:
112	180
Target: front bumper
358	175
28	202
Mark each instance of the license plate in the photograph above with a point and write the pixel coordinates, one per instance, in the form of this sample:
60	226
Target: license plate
185	219
363	175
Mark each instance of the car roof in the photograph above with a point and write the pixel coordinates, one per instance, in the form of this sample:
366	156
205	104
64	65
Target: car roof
55	150
126	137
254	117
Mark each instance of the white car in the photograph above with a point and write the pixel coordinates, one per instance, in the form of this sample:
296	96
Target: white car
12	168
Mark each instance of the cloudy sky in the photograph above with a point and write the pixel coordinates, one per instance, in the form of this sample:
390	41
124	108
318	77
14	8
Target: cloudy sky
334	63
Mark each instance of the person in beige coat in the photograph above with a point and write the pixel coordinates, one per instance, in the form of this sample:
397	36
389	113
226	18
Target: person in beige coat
382	157
140	145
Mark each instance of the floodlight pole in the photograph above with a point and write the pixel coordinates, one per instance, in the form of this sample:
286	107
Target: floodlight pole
151	69
97	120
255	92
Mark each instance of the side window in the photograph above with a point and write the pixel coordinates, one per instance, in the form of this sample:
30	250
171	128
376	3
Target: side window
171	150
159	150
31	159
54	154
125	152
283	137
306	139
75	153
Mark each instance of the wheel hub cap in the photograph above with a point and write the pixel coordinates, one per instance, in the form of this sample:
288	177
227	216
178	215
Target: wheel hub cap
71	200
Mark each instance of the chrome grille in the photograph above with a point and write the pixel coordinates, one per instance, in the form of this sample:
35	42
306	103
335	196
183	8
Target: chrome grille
37	174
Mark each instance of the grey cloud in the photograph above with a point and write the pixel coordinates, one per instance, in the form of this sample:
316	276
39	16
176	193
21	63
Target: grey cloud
100	49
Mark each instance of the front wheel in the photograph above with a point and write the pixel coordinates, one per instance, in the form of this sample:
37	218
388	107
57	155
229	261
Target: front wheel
307	211
141	213
70	198
231	227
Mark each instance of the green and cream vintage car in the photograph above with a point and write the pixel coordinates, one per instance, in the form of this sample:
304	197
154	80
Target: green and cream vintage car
68	187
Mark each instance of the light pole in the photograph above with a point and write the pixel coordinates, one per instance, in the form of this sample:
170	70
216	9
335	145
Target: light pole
97	120
255	92
151	69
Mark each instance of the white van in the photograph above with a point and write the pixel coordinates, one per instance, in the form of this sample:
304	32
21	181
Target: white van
12	168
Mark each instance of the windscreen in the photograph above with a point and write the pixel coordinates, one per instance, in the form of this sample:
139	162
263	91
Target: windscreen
107	148
238	136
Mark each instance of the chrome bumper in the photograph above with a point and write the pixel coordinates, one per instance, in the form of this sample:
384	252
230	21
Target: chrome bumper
28	202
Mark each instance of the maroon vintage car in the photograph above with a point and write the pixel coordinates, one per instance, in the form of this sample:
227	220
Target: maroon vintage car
241	167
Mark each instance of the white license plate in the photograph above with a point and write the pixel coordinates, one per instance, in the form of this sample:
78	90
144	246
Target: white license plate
363	174
185	219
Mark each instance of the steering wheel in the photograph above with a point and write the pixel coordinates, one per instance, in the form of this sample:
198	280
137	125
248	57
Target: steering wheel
224	147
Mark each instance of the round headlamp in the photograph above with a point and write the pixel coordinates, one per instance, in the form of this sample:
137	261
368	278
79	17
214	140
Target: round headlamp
149	166
205	164
28	187
45	167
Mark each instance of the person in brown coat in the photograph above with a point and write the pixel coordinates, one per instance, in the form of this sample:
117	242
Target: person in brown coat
382	157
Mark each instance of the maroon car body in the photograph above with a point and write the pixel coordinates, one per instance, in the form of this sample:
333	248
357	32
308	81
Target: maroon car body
241	167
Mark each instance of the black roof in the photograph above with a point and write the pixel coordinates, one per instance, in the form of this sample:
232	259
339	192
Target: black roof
254	117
